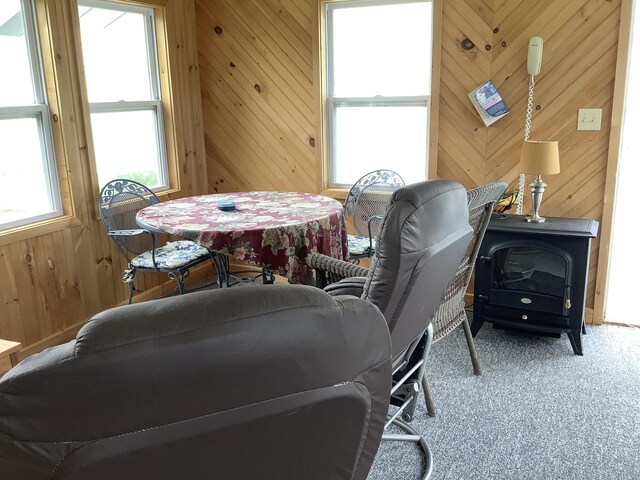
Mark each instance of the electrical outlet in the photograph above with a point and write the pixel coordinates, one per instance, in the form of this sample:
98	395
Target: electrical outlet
589	118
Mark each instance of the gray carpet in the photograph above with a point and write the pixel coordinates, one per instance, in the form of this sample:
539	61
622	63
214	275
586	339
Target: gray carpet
537	412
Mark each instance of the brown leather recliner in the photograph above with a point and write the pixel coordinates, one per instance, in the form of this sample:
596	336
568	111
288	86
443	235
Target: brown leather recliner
278	382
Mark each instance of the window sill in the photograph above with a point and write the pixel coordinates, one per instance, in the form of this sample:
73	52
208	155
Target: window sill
337	193
25	232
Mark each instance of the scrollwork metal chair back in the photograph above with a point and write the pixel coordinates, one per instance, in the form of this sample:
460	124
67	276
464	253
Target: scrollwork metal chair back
365	206
119	202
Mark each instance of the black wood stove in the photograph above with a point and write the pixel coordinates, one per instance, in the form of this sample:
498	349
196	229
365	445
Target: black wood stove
533	277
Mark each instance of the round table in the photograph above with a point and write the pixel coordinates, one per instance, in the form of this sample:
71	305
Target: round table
273	230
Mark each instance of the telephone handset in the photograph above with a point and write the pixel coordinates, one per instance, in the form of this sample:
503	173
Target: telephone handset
534	62
534	58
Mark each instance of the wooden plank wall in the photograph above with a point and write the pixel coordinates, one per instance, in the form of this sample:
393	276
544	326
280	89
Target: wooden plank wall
260	131
52	282
257	91
578	71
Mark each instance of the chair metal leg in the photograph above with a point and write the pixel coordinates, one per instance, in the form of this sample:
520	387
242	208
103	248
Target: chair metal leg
472	346
407	388
222	269
181	282
428	398
132	288
179	278
267	277
412	436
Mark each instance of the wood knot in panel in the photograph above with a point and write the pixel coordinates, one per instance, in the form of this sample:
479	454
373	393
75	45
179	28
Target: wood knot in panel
467	44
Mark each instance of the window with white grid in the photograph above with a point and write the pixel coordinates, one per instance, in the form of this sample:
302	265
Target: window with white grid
377	88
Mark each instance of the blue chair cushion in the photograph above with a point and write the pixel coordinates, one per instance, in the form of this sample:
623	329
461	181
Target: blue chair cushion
359	245
173	255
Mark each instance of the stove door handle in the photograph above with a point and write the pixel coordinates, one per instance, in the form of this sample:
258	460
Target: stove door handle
567	301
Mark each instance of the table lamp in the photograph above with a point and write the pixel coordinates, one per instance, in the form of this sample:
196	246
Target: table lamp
538	158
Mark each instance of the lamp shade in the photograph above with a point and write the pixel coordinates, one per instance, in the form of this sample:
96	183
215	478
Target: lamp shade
540	157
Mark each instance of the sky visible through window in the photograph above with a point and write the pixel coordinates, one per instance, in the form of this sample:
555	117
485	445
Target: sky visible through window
24	190
117	69
380	51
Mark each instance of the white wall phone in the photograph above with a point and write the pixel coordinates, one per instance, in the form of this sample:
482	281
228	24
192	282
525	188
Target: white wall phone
534	62
534	58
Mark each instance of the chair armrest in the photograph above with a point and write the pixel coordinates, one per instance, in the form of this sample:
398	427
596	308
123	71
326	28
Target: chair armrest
126	233
353	286
330	270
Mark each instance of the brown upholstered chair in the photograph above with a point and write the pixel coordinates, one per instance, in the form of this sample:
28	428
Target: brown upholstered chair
256	382
451	313
422	238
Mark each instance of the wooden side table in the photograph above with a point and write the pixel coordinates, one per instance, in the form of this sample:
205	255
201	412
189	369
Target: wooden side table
9	349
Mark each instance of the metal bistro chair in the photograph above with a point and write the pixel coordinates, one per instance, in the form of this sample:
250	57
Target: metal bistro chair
365	206
120	200
451	313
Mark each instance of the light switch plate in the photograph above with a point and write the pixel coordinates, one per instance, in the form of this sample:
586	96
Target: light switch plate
589	118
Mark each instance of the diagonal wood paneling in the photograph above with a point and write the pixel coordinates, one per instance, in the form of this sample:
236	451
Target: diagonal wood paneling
259	138
258	94
578	71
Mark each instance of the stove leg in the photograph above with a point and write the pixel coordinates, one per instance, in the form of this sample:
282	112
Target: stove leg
576	342
476	323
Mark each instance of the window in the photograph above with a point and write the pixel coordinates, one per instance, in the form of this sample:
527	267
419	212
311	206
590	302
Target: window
121	68
29	190
378	81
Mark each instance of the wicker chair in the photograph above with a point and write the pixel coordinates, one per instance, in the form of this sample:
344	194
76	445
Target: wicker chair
365	205
451	312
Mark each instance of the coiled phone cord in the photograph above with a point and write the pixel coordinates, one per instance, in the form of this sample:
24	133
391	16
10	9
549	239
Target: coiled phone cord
527	130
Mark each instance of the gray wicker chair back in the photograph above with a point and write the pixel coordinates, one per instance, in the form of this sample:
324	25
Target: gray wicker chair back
451	313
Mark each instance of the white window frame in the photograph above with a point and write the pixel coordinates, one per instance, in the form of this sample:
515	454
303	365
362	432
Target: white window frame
155	104
39	111
333	102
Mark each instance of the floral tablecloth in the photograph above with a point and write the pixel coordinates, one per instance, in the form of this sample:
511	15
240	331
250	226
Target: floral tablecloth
275	230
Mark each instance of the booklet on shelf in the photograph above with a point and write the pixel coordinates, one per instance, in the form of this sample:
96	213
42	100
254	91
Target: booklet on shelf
488	103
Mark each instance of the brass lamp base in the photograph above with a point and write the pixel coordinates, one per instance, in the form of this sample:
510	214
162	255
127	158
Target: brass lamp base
537	189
